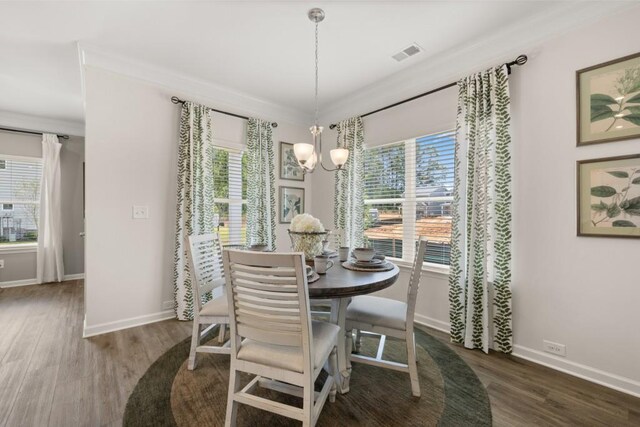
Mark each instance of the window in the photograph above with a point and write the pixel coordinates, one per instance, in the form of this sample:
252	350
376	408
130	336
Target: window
408	189
20	199
230	189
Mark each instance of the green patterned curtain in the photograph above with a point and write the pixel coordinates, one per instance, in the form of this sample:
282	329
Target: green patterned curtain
194	213
261	192
480	276
348	213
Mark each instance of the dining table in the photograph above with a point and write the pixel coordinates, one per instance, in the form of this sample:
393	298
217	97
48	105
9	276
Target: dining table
339	285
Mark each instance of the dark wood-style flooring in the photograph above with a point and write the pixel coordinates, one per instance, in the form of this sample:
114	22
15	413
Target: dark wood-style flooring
50	375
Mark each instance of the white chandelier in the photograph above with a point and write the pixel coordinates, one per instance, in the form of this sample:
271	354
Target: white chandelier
309	155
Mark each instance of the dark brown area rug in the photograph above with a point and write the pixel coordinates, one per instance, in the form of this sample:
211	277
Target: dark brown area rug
452	395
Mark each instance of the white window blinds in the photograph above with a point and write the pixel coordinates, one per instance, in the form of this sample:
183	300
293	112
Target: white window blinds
408	193
230	189
19	199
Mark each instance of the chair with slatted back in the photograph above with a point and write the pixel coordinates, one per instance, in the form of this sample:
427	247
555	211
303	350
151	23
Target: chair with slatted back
207	276
387	317
273	336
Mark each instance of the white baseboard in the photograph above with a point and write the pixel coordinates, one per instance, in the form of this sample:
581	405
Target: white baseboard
432	323
15	283
588	373
103	328
607	379
27	282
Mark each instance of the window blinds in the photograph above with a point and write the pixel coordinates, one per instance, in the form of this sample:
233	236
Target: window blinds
19	200
229	179
408	193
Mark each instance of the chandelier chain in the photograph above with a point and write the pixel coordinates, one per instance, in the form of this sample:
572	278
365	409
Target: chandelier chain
316	91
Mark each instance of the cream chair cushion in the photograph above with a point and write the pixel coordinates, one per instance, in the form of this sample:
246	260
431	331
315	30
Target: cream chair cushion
216	307
290	358
378	311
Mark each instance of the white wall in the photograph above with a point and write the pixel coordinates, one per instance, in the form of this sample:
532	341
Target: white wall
579	291
131	155
21	266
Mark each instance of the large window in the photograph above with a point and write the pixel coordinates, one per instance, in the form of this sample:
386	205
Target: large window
408	193
230	189
19	199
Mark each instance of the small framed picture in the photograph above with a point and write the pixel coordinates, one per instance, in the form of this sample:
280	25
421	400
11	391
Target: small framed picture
608	101
291	203
609	197
289	167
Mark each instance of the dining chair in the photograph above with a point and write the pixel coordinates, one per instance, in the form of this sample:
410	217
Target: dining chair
273	336
207	276
388	317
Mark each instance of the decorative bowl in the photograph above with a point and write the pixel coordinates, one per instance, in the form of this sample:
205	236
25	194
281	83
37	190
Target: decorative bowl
308	242
364	254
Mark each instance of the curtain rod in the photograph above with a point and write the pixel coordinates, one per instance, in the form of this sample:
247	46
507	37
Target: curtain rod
520	60
31	132
177	100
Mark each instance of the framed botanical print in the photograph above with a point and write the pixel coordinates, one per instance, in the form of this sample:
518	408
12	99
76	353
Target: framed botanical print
291	203
608	101
289	167
609	197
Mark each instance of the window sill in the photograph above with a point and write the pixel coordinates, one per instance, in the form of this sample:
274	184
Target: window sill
426	267
19	248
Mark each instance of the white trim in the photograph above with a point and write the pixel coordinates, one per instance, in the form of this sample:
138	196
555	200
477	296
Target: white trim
16	283
39	123
430	322
606	379
427	267
78	276
20	248
182	85
32	159
103	328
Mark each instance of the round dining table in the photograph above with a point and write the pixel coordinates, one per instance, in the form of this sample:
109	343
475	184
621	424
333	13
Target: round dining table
339	285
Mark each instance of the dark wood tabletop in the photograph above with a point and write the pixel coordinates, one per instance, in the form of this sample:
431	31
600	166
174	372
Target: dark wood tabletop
340	282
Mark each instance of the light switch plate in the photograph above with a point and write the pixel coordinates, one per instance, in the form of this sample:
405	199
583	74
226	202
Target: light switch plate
140	212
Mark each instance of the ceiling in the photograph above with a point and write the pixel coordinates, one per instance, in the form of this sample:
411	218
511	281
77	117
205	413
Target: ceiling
263	49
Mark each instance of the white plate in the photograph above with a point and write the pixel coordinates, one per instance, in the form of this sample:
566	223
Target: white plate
372	263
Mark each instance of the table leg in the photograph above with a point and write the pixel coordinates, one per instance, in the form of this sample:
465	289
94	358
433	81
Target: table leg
338	317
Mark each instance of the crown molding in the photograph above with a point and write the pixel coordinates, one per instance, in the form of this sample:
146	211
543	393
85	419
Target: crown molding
521	37
214	95
41	124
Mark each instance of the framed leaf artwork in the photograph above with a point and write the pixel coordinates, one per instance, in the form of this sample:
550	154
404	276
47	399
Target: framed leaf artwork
608	101
609	197
289	167
291	203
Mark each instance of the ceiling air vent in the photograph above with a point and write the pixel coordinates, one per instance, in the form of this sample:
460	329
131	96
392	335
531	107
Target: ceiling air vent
412	50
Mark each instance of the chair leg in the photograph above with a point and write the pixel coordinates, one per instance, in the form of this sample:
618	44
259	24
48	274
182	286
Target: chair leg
223	330
232	405
308	404
411	361
195	342
358	340
333	367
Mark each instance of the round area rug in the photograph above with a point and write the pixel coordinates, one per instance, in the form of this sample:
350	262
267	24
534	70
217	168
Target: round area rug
452	395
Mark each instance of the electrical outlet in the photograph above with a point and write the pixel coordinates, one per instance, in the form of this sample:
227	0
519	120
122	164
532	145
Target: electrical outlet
140	212
167	305
1	263
554	348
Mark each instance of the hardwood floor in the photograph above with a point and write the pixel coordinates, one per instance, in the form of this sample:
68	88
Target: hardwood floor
50	375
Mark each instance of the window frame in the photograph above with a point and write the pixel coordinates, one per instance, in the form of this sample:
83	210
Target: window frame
409	204
19	247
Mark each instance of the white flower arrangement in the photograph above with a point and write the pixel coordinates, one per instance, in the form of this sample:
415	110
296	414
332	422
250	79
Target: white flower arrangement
307	234
305	223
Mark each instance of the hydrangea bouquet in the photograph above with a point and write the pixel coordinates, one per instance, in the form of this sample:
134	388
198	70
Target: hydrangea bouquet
307	234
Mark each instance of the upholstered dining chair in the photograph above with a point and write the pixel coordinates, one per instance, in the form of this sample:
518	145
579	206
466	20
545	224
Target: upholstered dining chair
273	336
207	275
387	317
